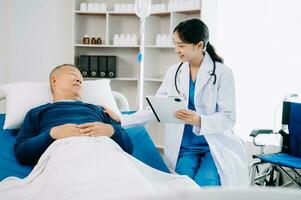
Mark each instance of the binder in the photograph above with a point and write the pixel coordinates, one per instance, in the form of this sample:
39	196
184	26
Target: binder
94	66
102	66
111	67
84	65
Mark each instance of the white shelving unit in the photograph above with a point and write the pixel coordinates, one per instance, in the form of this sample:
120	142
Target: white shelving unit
157	58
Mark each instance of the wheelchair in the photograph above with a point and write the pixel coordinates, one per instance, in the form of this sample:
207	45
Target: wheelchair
271	168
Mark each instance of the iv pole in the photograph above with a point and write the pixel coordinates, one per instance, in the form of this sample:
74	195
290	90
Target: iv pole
142	10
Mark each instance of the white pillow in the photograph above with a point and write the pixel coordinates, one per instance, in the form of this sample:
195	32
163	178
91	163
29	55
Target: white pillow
99	92
22	97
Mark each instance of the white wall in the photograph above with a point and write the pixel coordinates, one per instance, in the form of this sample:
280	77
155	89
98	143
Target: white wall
35	36
260	40
4	38
209	16
4	47
40	38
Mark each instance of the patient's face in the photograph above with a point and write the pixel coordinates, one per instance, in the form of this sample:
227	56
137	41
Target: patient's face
67	83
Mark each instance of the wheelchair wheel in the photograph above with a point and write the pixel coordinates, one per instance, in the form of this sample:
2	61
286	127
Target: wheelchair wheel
275	178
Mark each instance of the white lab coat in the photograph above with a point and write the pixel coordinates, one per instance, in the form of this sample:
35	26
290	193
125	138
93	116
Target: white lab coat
216	107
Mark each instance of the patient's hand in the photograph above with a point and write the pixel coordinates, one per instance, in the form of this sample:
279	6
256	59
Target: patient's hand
64	131
113	115
96	129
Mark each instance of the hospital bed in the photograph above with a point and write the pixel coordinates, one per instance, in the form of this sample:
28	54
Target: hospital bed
255	193
145	151
143	147
288	161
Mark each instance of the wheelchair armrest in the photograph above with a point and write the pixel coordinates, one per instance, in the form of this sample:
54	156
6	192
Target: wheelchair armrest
256	132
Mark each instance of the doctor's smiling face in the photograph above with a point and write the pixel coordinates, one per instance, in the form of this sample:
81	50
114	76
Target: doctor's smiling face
66	83
187	51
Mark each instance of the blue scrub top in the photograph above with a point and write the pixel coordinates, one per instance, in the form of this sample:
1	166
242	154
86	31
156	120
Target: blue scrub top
192	143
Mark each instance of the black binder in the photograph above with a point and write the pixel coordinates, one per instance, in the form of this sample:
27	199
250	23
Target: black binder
94	66
111	66
102	66
84	65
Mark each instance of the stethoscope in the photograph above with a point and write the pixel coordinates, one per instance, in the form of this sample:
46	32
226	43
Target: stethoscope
176	75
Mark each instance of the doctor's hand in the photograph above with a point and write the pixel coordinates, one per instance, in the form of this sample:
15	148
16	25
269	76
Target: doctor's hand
189	117
95	129
113	115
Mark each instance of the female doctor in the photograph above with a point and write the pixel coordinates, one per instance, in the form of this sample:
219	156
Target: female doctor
205	148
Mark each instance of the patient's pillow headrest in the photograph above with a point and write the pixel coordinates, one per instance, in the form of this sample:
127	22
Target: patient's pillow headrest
22	97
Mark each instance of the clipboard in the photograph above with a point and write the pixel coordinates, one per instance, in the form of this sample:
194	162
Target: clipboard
164	108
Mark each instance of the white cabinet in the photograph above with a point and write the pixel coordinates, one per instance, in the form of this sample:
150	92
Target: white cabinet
159	51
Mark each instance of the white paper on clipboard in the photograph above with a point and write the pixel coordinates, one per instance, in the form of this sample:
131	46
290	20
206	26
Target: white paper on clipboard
164	108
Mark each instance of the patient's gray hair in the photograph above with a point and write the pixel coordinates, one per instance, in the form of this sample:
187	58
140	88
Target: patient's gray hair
57	68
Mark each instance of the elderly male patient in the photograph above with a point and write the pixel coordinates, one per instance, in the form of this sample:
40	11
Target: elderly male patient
66	117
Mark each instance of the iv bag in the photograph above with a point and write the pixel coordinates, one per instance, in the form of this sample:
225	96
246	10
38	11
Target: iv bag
143	8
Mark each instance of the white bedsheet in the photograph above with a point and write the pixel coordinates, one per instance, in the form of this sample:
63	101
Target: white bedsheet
90	168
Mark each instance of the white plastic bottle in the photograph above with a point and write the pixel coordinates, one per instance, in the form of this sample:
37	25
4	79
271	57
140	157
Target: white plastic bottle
116	40
190	4
177	5
83	7
123	7
127	39
164	40
117	7
134	39
159	40
197	4
122	39
169	6
162	7
103	7
97	7
169	40
91	7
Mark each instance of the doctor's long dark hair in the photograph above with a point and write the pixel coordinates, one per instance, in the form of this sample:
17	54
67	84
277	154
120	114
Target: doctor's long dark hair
193	31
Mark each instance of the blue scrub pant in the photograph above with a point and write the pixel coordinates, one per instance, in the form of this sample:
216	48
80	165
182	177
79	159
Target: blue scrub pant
200	168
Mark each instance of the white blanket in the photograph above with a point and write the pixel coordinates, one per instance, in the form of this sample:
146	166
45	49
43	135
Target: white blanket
90	168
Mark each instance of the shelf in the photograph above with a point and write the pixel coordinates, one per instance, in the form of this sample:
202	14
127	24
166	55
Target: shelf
166	13
104	46
157	58
89	13
153	80
113	79
159	47
125	79
91	45
125	46
136	79
197	11
115	46
121	13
